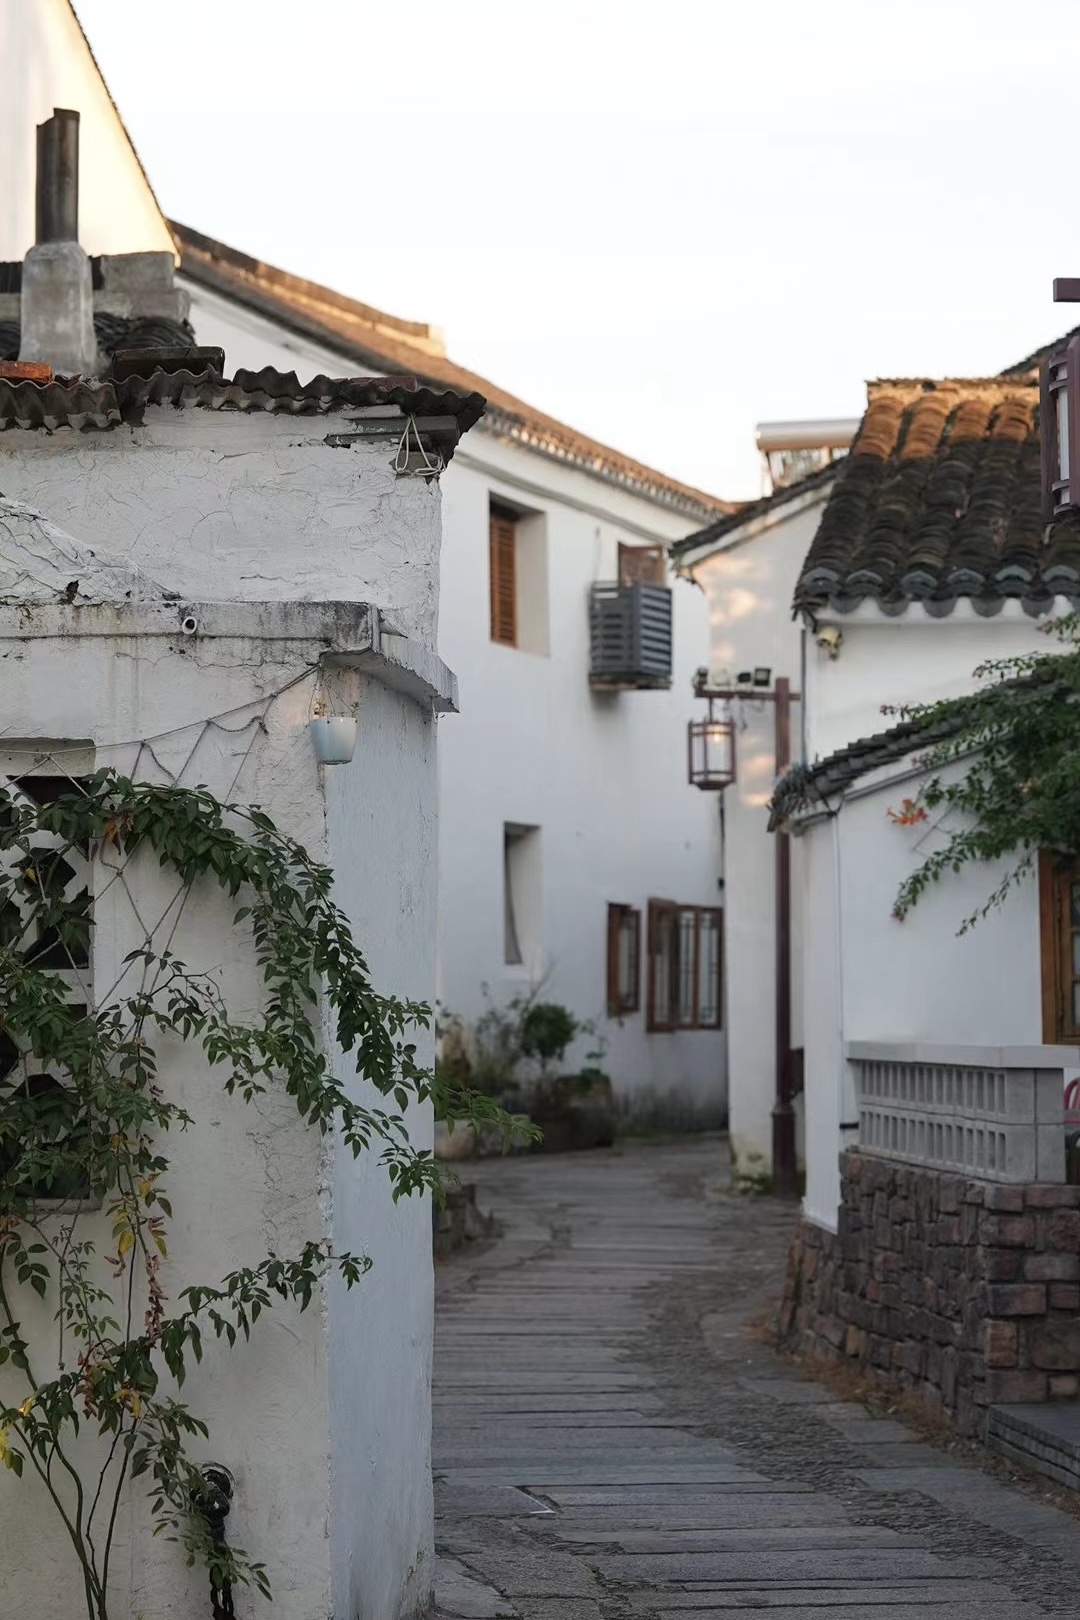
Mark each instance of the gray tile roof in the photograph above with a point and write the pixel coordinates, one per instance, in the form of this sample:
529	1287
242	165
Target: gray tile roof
941	499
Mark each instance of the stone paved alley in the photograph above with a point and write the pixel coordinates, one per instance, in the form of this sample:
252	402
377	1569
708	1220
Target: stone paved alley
611	1442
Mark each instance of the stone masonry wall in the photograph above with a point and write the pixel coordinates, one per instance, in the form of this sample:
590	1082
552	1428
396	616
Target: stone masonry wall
964	1292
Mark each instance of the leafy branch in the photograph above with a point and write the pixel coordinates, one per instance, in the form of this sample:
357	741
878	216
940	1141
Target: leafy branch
95	1137
1006	761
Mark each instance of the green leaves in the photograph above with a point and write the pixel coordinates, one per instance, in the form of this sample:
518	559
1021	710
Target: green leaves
97	1129
1003	771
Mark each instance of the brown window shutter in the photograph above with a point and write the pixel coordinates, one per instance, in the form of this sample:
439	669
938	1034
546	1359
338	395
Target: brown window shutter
614	922
1059	897
503	552
641	565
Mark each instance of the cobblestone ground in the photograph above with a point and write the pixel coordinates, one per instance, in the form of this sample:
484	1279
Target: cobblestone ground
612	1443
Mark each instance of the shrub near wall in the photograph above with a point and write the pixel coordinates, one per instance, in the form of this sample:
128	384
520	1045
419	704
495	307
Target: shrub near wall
964	1292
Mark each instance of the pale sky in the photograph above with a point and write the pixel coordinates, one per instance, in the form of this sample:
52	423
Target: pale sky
659	222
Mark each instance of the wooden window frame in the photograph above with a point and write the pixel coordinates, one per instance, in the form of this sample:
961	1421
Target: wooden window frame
623	1000
1056	878
642	565
684	920
502	575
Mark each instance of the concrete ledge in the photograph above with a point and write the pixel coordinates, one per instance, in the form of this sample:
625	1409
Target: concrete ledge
967	1057
351	634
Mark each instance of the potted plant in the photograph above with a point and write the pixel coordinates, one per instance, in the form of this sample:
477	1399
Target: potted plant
572	1111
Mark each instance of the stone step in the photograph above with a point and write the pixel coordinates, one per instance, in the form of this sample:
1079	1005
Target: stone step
1044	1437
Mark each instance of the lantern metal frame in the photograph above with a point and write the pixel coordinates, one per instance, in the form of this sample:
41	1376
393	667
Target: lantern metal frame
1059	416
706	733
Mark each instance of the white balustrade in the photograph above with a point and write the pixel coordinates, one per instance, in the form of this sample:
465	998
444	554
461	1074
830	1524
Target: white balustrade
992	1113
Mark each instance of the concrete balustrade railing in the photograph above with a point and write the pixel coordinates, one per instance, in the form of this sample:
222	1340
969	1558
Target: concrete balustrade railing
993	1113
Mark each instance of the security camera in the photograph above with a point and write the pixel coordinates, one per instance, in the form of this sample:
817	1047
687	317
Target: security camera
831	638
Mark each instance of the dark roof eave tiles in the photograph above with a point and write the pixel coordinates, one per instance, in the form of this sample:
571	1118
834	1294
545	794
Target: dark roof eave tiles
809	787
940	498
104	404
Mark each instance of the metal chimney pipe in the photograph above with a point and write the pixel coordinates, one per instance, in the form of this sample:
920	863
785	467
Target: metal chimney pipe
57	194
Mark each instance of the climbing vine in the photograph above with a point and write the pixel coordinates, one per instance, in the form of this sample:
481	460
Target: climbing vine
1006	762
85	1118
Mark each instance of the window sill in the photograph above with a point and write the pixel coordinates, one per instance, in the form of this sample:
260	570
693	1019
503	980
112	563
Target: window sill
42	1208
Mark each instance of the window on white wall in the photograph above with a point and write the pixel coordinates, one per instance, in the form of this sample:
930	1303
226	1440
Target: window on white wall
521	895
685	967
518	577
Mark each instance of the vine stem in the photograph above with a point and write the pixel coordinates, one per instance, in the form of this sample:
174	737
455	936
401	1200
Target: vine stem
305	954
44	1472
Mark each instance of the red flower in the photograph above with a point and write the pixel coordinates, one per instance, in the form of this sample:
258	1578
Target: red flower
909	813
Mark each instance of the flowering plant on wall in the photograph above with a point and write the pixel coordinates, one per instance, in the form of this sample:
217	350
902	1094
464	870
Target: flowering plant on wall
1006	761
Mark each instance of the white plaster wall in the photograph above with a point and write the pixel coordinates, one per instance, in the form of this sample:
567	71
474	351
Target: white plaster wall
243	1179
749	585
911	980
383	844
909	659
604	778
325	1419
915	979
325	1422
223	506
602	775
45	63
824	1065
251	341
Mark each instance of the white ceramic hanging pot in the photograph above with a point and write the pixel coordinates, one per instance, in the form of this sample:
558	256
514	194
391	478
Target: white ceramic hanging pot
333	738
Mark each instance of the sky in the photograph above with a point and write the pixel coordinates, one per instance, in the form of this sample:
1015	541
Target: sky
661	223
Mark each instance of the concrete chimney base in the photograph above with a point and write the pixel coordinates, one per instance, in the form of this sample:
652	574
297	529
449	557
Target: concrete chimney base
57	312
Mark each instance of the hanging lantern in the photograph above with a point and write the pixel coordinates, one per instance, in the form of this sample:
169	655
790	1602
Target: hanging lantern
712	750
1059	416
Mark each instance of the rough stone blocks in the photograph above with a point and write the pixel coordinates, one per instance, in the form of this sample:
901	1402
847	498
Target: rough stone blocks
965	1292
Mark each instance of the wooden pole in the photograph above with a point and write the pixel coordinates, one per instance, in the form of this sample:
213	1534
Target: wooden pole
785	1164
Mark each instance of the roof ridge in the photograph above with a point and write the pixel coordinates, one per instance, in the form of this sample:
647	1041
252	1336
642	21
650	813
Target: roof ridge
427	337
1001	382
312	310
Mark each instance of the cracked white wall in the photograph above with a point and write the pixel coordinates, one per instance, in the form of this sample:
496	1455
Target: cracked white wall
324	1418
226	506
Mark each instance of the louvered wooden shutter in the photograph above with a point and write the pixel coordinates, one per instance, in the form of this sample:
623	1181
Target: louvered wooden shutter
503	549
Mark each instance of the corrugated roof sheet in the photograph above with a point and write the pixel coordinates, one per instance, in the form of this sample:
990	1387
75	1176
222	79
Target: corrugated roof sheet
375	339
939	499
104	404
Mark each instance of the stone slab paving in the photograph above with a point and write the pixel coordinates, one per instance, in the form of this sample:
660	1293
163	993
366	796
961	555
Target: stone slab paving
612	1443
